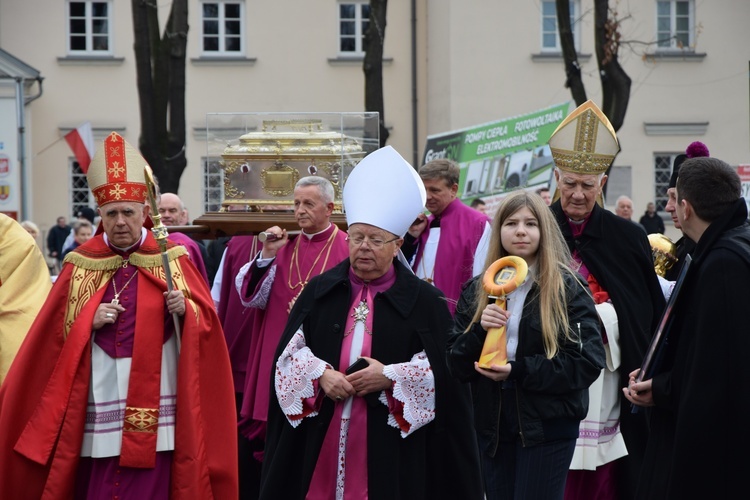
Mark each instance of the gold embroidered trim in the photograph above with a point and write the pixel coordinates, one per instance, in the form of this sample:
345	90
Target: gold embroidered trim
84	283
179	282
94	264
581	162
154	260
115	262
90	274
141	420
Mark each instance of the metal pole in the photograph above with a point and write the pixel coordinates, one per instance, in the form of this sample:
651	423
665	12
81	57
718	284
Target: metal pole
21	114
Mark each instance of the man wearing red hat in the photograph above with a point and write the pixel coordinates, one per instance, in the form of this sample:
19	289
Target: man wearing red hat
103	401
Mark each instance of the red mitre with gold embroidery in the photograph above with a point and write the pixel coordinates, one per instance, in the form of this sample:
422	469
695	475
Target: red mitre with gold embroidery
116	172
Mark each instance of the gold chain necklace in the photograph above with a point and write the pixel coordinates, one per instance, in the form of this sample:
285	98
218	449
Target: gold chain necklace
429	279
295	260
116	299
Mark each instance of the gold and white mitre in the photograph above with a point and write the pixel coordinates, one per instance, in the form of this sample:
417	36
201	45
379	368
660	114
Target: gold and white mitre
585	142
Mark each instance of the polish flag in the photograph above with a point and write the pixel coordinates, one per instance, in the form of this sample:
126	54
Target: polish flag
81	141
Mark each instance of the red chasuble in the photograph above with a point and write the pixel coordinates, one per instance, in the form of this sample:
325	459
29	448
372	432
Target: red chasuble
43	400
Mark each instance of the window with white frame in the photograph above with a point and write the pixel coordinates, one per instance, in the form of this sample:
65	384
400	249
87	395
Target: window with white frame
213	184
80	194
89	28
662	174
222	25
550	33
674	24
354	19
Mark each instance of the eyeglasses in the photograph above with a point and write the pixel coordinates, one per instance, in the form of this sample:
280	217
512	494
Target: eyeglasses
375	243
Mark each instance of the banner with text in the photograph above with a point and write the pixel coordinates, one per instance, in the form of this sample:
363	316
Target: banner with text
500	156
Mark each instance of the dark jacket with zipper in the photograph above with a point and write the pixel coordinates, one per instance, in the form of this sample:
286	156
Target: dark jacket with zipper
552	394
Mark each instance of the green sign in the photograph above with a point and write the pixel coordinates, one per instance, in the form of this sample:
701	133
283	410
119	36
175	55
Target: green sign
500	156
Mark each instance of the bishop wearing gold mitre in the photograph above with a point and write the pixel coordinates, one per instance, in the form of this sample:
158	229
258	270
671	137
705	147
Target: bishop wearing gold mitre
100	402
615	257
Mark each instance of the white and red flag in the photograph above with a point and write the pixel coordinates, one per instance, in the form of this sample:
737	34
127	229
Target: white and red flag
81	141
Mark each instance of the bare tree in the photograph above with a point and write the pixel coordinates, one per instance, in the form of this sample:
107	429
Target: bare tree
373	64
615	82
160	77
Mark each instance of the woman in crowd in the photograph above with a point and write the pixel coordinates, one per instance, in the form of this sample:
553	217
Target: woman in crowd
527	412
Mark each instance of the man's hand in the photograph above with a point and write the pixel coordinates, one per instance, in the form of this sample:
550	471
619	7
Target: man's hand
271	247
335	385
106	313
418	226
370	379
175	302
638	393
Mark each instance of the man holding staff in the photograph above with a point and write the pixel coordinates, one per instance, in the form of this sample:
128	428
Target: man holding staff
100	402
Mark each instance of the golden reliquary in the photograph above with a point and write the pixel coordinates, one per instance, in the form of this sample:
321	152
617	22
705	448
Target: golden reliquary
260	172
663	252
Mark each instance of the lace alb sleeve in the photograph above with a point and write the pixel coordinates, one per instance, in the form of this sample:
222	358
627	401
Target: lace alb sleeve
411	401
297	370
259	299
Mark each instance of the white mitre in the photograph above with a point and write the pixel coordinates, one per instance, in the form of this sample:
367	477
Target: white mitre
384	191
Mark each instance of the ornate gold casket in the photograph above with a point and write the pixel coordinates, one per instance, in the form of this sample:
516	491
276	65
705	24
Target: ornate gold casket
262	170
263	155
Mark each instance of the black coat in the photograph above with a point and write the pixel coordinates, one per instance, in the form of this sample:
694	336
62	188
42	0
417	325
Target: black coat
700	434
652	223
552	393
618	254
439	460
683	247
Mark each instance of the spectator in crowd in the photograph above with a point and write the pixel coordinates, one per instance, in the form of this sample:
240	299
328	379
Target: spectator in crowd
85	213
56	239
624	210
31	228
545	194
82	232
479	204
651	221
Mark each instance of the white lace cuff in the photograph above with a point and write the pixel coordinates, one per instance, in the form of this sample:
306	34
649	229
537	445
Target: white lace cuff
259	299
414	387
296	369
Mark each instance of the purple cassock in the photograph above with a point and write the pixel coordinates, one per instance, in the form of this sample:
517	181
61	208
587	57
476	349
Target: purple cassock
238	321
461	229
193	251
297	262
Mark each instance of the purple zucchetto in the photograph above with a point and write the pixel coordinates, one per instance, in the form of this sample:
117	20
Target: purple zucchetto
695	150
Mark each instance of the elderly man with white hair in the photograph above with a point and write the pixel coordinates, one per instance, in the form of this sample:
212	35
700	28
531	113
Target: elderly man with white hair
364	404
615	257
